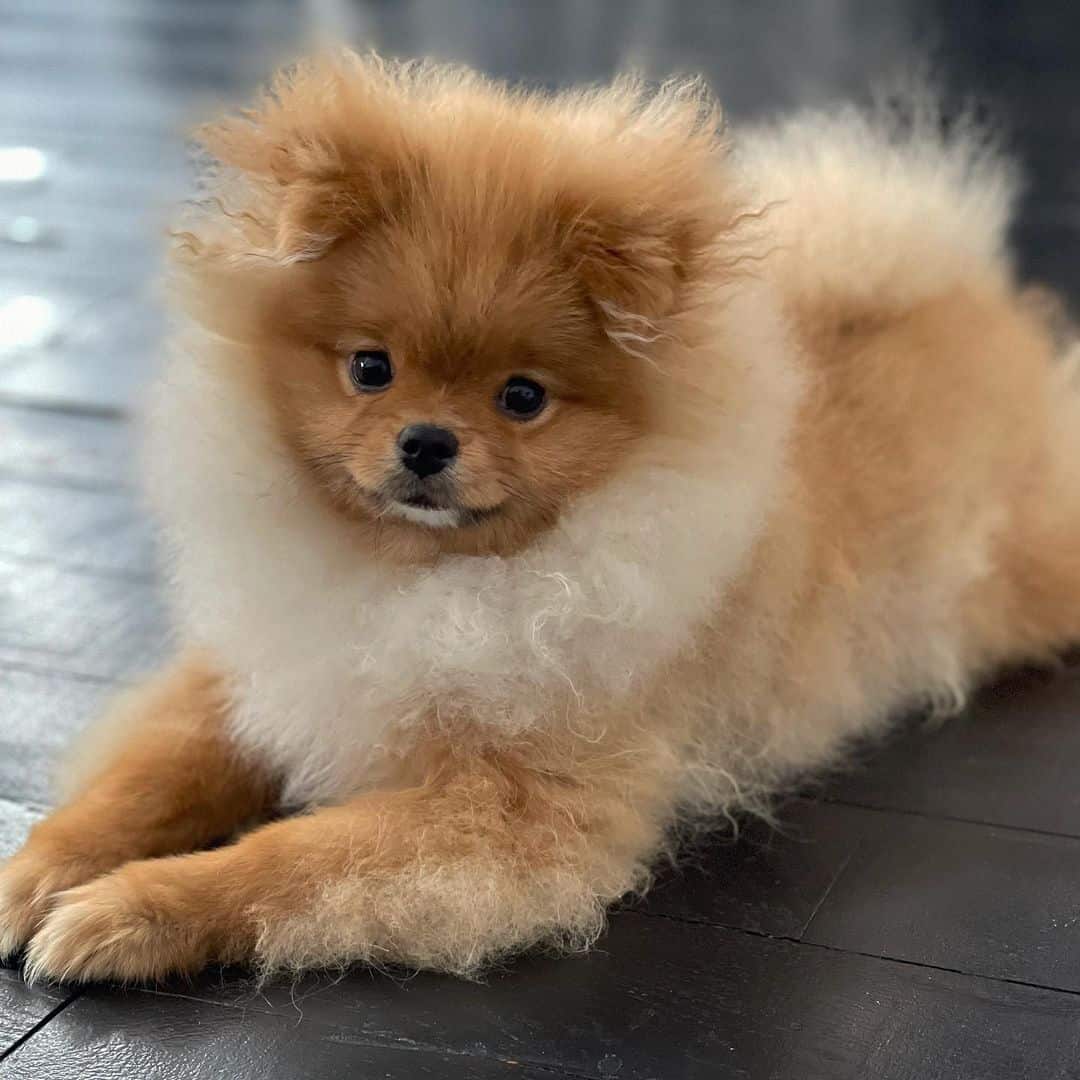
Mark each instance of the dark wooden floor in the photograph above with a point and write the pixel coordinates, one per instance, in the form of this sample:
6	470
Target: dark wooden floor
918	919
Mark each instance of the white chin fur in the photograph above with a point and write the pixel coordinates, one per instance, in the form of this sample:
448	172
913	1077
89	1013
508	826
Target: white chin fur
418	515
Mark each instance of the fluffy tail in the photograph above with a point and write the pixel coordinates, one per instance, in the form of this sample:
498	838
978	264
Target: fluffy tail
892	204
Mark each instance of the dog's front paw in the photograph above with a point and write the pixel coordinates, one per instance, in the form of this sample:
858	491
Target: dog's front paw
133	924
28	883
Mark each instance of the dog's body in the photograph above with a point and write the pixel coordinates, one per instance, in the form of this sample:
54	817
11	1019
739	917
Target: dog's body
841	479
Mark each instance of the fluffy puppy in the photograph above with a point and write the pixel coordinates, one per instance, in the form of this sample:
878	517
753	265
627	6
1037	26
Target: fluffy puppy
539	473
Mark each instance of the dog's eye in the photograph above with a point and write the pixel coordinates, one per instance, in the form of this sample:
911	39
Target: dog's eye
522	398
371	370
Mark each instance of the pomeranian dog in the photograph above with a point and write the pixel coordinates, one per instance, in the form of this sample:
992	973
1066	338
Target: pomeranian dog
542	475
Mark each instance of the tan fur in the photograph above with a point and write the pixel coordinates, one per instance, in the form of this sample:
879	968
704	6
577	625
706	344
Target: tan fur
894	424
166	780
467	854
928	461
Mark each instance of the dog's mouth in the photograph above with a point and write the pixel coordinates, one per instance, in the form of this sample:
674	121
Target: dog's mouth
434	510
423	502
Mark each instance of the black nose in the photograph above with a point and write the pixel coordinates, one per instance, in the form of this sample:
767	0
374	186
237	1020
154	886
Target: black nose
426	449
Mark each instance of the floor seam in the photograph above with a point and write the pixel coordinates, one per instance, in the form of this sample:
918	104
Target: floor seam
26	804
926	816
829	888
790	940
65	408
7	663
23	1039
59	481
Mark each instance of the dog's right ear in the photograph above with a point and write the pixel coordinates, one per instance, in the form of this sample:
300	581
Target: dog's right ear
292	200
321	154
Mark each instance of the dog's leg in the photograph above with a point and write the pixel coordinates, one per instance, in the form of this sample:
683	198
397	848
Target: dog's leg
164	780
484	854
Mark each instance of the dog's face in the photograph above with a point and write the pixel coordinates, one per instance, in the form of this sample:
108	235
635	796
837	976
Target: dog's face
457	313
465	390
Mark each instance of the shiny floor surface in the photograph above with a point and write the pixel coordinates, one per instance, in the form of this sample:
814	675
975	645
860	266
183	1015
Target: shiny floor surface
920	918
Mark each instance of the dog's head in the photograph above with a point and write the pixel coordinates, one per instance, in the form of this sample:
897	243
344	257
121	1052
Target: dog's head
468	305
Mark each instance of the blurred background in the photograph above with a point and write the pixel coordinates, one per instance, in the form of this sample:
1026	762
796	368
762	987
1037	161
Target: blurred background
95	97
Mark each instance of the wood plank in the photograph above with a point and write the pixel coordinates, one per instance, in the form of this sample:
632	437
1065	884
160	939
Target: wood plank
39	715
111	1034
1009	760
100	357
682	1001
75	528
770	880
87	451
16	819
78	623
975	898
21	1007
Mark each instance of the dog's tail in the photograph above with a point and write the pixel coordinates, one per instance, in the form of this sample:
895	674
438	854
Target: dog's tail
892	203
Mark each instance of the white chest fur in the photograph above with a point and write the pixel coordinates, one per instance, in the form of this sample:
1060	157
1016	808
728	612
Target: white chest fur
329	648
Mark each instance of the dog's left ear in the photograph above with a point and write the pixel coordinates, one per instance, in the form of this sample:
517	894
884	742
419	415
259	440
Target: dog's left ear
644	238
653	203
636	263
